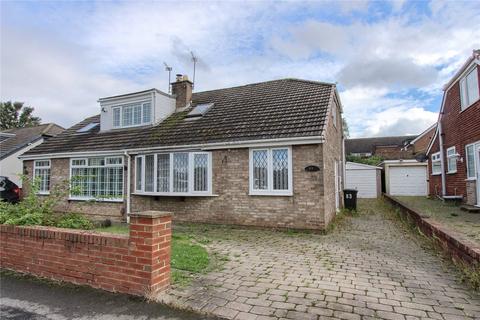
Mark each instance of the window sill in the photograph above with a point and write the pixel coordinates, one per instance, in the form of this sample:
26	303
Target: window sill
43	193
95	200
437	174
271	193
156	194
451	172
471	179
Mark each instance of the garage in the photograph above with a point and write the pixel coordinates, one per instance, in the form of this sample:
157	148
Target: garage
364	178
406	178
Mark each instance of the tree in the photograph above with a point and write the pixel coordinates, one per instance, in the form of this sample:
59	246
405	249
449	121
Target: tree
346	131
16	115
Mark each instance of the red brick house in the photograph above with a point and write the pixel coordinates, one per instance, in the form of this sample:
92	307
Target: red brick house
454	153
266	154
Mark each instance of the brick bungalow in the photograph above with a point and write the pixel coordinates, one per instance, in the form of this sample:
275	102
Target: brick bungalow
454	153
267	154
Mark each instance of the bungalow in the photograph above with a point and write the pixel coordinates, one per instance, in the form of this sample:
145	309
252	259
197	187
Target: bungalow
267	154
454	152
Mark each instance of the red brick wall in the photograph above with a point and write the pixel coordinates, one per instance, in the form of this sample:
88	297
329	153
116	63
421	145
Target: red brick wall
137	264
460	128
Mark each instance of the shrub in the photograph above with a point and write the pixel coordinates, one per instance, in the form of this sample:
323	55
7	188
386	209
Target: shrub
74	221
37	210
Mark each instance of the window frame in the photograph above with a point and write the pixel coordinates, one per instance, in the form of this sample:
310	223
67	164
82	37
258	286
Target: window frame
474	147
106	166
438	159
270	191
49	167
464	92
133	105
190	165
450	156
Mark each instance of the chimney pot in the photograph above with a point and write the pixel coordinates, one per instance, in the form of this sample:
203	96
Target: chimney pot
179	77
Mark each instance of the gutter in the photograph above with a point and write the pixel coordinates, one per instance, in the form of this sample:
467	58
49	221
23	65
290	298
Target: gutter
207	146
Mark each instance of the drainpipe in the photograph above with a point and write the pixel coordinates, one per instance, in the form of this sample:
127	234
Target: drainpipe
128	184
442	161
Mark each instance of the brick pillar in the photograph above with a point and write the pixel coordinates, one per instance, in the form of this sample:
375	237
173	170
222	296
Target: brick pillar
150	242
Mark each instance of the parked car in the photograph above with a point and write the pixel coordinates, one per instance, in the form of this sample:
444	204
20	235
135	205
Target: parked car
9	191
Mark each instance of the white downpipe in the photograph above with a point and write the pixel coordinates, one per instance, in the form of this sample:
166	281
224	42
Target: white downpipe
129	174
442	161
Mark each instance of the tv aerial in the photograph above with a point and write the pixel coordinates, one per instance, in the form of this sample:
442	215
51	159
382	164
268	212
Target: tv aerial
169	69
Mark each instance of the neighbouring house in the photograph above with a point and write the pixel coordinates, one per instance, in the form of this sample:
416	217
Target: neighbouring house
402	175
419	145
388	148
14	142
454	153
267	154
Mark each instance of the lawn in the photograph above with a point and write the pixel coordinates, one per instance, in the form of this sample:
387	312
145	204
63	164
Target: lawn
189	256
448	214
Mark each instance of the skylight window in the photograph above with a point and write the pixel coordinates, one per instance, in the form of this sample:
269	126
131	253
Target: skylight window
200	110
88	127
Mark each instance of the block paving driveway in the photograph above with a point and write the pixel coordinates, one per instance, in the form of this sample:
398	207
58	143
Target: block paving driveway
369	267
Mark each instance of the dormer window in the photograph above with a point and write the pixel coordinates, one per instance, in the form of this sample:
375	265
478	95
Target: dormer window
132	115
469	90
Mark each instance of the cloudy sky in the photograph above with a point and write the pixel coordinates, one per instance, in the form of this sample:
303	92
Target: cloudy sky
390	59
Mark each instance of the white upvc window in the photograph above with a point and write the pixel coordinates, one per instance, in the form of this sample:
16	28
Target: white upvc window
271	171
132	115
174	174
41	169
436	163
451	160
97	178
469	90
471	163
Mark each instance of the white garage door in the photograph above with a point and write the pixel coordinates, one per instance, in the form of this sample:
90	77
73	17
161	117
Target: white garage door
365	181
408	181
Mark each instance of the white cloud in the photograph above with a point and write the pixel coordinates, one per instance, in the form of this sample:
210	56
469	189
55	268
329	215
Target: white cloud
120	47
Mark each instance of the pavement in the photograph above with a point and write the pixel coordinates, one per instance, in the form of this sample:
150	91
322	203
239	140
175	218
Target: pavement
28	298
370	267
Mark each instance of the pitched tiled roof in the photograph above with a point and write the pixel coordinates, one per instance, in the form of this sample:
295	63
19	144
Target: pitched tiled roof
275	109
13	140
364	145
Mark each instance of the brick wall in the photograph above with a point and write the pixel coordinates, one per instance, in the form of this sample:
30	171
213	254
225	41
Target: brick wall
393	152
460	128
137	264
332	152
421	144
232	203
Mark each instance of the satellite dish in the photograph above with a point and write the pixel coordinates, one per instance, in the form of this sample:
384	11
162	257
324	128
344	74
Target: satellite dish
421	157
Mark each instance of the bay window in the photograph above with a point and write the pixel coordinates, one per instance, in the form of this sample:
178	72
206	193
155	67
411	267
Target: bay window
132	115
176	173
271	171
42	175
97	178
436	164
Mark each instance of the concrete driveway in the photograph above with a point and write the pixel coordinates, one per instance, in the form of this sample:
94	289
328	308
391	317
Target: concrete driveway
368	268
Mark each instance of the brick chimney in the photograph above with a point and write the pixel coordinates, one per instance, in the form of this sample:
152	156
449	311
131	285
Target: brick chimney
182	90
